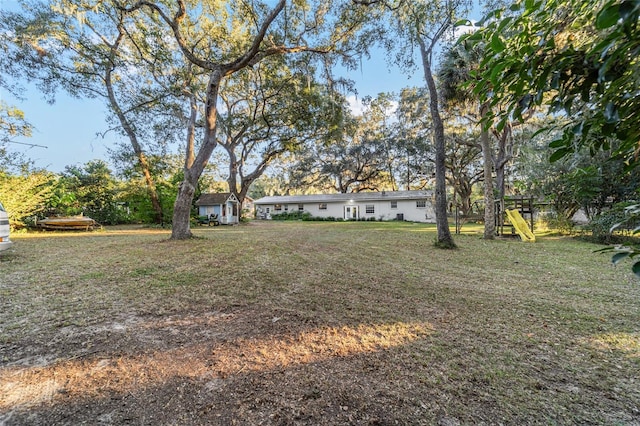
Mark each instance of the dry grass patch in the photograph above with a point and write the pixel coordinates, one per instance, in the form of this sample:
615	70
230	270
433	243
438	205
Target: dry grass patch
314	323
83	378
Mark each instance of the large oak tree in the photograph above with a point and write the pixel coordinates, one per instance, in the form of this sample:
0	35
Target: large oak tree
85	50
419	28
220	39
273	108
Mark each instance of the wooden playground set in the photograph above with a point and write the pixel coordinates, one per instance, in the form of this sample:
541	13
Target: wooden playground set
514	217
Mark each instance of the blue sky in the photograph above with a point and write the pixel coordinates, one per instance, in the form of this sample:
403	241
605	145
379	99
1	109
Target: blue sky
72	129
68	129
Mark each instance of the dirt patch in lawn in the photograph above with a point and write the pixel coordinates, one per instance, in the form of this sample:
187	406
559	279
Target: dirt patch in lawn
195	363
278	324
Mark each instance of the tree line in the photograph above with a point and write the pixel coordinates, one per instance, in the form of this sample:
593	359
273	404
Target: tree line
387	147
532	82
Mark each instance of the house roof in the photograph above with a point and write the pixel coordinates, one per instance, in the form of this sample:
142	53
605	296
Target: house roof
355	196
207	199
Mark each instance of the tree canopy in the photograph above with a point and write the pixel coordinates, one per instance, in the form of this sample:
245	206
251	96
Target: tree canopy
579	58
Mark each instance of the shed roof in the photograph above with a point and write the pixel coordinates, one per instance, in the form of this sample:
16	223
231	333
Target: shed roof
355	196
212	199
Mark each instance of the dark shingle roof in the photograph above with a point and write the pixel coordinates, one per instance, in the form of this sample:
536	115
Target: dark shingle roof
355	196
213	199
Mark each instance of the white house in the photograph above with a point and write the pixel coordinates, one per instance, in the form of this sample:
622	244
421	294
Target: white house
414	206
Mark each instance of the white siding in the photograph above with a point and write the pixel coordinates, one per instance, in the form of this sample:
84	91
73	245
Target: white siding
382	210
417	214
406	208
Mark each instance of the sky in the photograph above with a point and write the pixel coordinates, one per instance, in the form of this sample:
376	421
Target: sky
74	131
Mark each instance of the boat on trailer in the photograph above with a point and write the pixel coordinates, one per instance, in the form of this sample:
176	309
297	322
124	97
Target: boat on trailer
83	223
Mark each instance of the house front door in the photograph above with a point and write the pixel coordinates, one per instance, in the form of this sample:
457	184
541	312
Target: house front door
350	212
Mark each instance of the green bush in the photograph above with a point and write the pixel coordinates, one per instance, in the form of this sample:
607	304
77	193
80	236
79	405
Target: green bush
306	216
292	215
602	226
558	222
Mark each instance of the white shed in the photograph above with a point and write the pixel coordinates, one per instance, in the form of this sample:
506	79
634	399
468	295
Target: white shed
414	206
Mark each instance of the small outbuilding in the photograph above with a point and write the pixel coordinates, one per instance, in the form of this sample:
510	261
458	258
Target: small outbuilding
414	206
223	204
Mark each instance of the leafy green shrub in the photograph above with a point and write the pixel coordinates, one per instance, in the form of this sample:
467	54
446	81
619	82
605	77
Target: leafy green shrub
559	222
629	247
306	216
278	216
613	226
292	215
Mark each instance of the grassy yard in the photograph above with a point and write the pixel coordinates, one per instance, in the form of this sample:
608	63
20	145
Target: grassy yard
315	323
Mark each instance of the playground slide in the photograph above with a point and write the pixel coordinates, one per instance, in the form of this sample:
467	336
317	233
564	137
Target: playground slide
520	225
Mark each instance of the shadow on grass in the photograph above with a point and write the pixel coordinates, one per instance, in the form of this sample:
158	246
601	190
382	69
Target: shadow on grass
205	365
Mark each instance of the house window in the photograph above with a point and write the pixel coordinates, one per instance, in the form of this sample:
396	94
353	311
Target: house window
277	207
370	209
300	207
421	203
286	207
322	206
394	204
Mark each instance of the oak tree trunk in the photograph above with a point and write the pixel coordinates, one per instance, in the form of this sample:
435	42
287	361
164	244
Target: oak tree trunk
444	238
133	138
194	165
181	229
503	156
489	199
